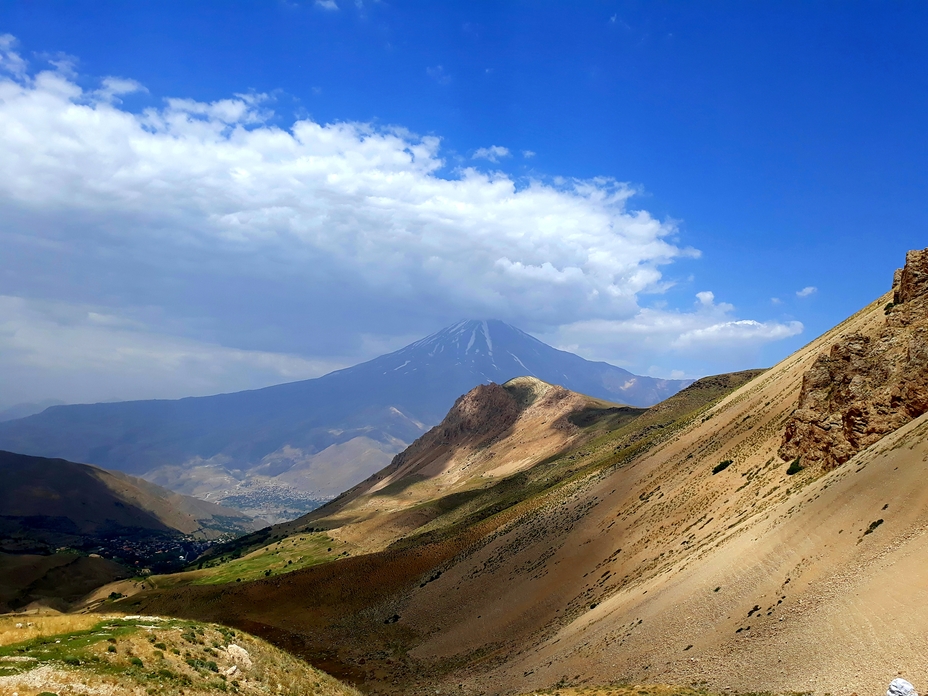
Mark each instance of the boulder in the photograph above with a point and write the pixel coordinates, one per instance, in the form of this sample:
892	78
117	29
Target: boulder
900	687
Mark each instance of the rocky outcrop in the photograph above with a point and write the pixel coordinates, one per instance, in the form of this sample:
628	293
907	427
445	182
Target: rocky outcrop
865	387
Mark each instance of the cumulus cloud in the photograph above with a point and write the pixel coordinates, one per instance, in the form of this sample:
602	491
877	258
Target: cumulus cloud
494	153
708	332
806	291
224	234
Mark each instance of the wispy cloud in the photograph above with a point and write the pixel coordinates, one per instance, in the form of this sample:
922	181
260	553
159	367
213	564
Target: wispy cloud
806	291
327	4
112	88
528	154
494	153
10	61
438	74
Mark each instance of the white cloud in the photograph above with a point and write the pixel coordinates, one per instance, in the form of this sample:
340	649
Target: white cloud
221	234
528	154
709	332
78	354
494	153
10	61
114	87
327	4
806	291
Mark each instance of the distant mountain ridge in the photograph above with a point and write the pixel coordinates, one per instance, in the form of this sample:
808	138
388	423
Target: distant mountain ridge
67	528
316	437
54	501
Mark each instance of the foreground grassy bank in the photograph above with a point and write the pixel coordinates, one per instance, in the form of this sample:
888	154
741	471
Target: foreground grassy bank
116	654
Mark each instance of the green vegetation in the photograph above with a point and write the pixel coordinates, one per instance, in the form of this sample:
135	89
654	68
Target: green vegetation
721	466
794	467
80	649
873	526
302	550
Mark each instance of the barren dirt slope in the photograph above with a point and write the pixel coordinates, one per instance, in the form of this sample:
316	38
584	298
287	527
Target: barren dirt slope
825	592
526	597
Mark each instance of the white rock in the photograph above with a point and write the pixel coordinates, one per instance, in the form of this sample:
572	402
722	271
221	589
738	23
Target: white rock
232	670
900	687
239	655
19	625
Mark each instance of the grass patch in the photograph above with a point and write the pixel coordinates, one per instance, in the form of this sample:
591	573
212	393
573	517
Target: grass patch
82	657
301	550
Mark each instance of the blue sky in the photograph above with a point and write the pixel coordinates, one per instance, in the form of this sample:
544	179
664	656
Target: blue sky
205	197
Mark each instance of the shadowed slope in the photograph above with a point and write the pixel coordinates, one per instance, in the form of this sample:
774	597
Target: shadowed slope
72	499
46	504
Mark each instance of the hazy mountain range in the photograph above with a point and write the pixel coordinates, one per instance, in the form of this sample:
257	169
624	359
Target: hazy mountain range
107	521
271	452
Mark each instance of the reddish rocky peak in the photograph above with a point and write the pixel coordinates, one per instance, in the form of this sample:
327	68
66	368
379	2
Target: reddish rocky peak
912	279
865	387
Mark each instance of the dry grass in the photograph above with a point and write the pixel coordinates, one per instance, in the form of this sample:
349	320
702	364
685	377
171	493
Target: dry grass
146	656
17	628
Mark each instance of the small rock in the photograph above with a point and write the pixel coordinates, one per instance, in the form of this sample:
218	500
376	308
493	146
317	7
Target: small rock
19	625
239	655
900	687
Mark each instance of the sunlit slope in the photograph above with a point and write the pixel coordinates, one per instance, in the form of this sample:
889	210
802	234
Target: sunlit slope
491	433
617	533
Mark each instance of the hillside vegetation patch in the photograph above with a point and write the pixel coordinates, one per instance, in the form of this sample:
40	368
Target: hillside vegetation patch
147	655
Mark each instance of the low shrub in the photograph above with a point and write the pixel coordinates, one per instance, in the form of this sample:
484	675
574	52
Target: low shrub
721	466
794	467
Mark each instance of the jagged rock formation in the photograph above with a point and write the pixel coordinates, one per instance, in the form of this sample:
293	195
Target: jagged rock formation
866	386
